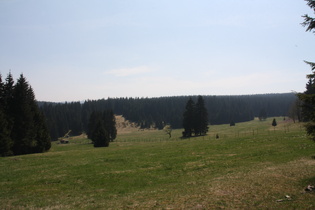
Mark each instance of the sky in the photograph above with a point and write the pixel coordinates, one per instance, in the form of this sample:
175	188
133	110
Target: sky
74	50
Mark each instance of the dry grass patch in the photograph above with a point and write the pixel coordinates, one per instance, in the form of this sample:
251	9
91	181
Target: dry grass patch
260	188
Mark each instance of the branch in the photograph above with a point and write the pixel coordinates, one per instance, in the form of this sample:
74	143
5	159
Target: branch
309	22
311	64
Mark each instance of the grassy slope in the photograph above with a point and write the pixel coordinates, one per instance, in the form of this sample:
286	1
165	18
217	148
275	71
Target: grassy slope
250	166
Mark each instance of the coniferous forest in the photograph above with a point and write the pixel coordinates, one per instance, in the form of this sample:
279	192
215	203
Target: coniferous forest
157	112
26	126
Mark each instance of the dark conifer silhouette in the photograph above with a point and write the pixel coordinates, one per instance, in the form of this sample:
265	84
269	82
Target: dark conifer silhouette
195	118
29	132
308	97
189	118
110	124
95	117
22	125
100	135
102	128
274	122
5	140
200	118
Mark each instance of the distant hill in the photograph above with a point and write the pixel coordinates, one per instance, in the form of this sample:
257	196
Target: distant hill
148	112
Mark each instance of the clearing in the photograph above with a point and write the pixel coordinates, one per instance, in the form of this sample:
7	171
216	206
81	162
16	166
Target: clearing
251	166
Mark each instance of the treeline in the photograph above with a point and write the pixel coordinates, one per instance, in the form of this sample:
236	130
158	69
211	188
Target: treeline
157	112
22	125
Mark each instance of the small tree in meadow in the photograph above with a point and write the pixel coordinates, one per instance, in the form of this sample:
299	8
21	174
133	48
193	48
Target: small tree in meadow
102	128
168	130
274	123
100	136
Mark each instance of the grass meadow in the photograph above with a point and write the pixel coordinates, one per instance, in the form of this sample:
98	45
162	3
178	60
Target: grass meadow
250	166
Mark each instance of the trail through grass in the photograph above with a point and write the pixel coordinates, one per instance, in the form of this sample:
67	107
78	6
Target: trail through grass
251	165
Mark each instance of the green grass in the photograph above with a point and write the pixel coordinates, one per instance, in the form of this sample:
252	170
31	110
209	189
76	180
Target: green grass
251	166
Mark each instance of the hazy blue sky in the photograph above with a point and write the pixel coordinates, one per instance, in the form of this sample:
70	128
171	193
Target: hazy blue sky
72	50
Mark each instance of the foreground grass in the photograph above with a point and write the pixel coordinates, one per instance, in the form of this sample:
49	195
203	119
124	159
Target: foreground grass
250	166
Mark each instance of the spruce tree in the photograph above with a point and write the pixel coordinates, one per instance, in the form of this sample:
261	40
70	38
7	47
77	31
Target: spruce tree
110	124
42	137
29	132
22	133
188	118
274	122
7	100
200	118
102	128
5	140
93	120
1	93
100	135
308	97
310	87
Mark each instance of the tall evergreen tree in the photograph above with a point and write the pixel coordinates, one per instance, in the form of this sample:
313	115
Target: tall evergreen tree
195	118
29	132
102	128
110	124
310	87
42	137
188	118
1	93
8	104
5	140
23	127
200	117
100	135
308	97
95	117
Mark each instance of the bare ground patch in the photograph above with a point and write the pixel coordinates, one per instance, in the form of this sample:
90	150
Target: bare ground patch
125	126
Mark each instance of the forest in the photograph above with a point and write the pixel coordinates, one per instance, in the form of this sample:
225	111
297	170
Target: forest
157	112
